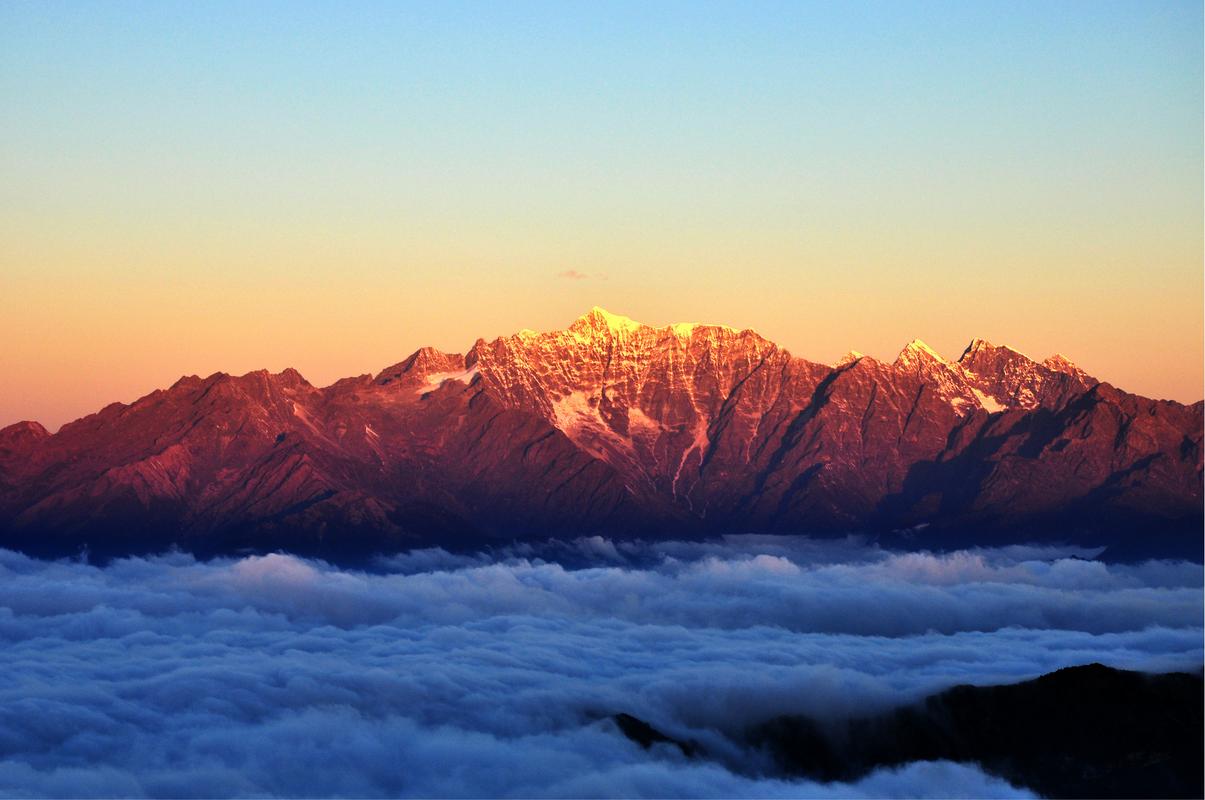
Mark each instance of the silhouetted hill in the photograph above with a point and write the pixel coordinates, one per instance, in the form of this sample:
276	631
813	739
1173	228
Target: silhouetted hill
1088	731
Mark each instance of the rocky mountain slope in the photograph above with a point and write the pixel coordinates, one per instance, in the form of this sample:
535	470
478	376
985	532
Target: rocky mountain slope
1087	731
617	427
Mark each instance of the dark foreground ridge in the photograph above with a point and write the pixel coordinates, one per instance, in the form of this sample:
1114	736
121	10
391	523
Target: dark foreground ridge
1089	731
617	428
646	735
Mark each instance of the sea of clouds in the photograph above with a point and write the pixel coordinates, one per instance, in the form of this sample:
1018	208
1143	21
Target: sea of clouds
495	674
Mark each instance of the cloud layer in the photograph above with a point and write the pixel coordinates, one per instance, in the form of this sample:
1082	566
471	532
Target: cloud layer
474	675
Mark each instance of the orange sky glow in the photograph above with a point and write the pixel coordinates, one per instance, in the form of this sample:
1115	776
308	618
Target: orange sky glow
203	192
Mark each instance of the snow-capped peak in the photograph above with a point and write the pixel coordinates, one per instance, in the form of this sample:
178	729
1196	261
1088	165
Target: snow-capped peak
849	358
974	347
689	328
599	318
982	347
917	350
1060	363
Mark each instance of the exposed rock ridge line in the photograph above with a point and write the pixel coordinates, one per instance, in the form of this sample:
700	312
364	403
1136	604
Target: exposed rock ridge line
607	426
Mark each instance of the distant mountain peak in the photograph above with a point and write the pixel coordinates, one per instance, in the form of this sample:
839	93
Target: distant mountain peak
21	433
598	320
974	347
849	358
1060	363
982	355
421	363
982	348
916	351
1015	380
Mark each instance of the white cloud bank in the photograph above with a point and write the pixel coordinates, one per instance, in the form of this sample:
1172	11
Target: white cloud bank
450	675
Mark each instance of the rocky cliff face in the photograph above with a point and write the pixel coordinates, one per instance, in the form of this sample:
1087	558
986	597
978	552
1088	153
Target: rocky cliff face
610	426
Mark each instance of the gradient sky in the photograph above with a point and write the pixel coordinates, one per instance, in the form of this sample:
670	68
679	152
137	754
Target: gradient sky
187	188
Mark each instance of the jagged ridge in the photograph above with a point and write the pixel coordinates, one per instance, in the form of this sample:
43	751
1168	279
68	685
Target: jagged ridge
607	426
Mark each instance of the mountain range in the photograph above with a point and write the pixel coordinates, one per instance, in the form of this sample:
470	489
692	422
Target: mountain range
618	428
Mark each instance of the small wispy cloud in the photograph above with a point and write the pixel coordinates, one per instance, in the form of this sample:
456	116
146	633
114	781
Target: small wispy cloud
572	275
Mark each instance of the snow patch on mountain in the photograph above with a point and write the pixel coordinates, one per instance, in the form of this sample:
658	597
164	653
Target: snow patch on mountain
436	379
574	411
988	403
